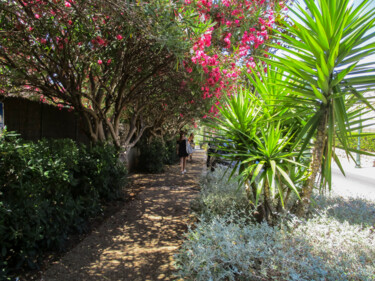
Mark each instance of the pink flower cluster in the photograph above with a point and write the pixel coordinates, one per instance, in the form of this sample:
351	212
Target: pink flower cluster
42	99
99	41
224	67
204	6
227	40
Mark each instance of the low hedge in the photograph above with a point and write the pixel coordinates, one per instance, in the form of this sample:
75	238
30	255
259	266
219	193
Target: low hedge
367	143
49	189
155	154
170	155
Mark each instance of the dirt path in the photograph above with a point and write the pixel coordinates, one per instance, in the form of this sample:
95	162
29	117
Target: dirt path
139	241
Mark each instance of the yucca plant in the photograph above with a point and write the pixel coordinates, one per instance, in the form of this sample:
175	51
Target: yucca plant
270	169
263	150
321	49
238	121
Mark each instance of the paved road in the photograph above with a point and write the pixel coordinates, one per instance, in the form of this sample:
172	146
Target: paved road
357	182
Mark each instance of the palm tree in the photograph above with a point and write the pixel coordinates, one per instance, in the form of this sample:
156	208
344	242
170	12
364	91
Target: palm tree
321	51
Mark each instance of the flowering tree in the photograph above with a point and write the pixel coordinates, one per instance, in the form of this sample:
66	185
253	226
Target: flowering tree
172	105
112	61
236	39
93	56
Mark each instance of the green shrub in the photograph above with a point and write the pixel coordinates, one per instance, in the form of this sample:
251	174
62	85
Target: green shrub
100	167
204	146
367	143
170	156
152	156
322	248
155	154
47	190
219	195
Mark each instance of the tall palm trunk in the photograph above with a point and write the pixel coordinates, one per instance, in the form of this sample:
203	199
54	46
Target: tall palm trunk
315	165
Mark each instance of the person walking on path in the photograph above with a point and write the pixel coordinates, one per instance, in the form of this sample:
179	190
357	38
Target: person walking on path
182	152
192	144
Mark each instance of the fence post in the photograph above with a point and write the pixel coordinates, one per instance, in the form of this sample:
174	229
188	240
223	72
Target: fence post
41	120
358	156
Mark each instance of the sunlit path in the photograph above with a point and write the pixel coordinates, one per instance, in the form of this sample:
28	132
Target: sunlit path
138	242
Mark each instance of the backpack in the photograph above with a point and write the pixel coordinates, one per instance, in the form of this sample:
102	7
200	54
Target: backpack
189	149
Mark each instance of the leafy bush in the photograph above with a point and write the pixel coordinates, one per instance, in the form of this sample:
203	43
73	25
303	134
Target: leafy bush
99	166
367	143
230	248
170	156
152	155
354	210
47	190
263	150
219	195
155	154
336	243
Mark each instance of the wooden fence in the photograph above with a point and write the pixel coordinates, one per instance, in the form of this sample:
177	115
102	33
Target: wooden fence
36	120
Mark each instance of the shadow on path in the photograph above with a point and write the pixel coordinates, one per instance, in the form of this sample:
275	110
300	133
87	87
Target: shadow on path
138	242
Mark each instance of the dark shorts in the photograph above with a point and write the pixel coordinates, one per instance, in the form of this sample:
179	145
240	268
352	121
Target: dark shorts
182	149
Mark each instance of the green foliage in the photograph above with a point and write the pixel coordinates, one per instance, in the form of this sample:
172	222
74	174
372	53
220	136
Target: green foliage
156	153
264	150
270	163
47	190
152	156
219	195
321	48
367	143
123	42
204	146
100	166
170	156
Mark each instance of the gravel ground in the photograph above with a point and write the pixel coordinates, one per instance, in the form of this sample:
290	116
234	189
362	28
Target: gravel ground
139	241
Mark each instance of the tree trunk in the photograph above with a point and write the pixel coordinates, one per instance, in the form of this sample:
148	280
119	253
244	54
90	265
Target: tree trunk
90	130
302	206
101	133
268	205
